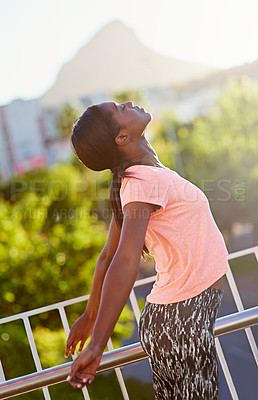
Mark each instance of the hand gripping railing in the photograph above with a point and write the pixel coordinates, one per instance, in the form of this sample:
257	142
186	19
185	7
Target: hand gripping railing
117	358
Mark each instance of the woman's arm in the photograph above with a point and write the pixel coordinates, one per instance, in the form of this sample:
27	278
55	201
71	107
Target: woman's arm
82	328
102	265
117	286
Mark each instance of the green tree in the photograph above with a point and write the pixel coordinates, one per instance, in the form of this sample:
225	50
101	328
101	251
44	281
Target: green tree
219	153
51	237
67	115
165	141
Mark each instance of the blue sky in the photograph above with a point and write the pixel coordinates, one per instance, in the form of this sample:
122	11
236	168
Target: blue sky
38	36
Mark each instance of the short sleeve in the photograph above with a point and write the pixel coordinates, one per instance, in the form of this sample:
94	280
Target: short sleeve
144	187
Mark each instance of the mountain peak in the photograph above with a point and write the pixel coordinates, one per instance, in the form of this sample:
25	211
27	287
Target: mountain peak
114	60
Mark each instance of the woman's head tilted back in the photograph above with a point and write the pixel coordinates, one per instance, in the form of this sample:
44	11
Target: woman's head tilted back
93	139
102	137
102	131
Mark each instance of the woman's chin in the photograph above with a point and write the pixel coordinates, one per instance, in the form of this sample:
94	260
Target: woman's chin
150	115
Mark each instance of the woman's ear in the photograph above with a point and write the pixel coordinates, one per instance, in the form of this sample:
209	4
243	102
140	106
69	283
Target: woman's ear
123	138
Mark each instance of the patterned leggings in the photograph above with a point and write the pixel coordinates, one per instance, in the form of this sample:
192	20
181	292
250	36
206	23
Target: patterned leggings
179	340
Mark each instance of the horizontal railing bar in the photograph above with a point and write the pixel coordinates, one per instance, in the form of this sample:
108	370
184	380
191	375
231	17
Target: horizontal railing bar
75	300
41	310
64	303
244	252
116	358
50	376
144	281
237	321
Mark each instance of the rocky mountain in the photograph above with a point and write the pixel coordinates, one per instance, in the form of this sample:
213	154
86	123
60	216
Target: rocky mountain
114	60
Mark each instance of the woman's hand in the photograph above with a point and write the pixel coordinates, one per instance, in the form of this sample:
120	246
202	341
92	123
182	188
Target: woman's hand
83	327
79	332
84	368
118	283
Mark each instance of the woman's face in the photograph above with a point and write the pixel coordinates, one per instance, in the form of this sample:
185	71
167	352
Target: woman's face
133	118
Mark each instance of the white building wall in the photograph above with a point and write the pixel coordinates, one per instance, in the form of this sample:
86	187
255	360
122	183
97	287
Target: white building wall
28	138
5	162
33	138
23	126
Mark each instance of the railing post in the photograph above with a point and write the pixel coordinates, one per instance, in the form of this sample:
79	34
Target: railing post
2	376
66	327
137	353
240	307
35	353
119	357
225	370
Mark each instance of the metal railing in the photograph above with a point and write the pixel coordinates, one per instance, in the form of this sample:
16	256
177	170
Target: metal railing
116	358
61	308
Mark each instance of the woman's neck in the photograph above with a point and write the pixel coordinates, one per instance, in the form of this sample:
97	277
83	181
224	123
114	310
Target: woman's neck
147	160
144	154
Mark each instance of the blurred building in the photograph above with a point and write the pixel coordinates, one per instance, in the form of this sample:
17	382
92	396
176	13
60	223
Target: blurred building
28	138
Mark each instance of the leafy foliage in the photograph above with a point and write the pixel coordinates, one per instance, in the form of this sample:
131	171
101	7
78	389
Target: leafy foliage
68	114
51	237
50	242
53	221
221	151
218	152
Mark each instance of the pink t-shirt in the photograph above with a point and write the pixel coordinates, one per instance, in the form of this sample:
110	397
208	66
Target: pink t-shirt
187	246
